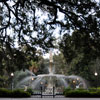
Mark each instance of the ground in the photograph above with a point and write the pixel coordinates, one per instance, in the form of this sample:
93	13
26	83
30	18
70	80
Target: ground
49	98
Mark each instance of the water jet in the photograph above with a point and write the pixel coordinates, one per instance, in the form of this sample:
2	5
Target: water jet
48	81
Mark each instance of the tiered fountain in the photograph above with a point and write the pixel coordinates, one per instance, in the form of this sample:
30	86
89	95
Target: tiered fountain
48	81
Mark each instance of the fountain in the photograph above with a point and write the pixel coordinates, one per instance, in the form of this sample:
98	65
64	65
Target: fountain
22	78
48	81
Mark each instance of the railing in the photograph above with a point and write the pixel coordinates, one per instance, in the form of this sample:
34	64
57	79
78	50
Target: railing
51	92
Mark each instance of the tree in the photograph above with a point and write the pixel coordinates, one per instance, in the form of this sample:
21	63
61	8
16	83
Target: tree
77	13
61	67
81	51
20	17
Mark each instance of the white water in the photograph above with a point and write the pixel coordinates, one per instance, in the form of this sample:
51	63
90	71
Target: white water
52	80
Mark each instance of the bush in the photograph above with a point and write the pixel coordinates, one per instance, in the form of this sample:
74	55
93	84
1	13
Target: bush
77	93
15	93
20	93
92	89
30	91
82	93
66	90
98	88
4	92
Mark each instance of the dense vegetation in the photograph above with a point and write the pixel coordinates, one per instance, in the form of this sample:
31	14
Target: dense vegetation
81	93
24	29
82	54
14	93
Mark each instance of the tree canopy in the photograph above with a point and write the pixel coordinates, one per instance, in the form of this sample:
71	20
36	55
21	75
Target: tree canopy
21	15
81	52
21	23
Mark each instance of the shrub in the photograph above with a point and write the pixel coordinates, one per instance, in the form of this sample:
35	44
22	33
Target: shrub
80	89
66	90
92	89
20	93
30	91
77	93
4	92
98	88
82	93
15	93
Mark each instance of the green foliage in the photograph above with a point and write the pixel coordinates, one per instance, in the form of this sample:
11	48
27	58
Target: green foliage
60	63
43	66
98	88
77	93
30	91
15	93
30	30
67	90
3	81
92	89
81	53
93	92
5	93
20	93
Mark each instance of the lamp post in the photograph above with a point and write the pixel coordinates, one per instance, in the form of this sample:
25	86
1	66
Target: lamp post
74	84
32	79
41	88
77	83
96	74
41	84
12	75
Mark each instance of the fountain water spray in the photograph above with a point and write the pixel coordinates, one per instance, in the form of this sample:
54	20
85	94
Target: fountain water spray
53	80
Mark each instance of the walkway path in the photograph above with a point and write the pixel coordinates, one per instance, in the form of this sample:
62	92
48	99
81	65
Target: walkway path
49	98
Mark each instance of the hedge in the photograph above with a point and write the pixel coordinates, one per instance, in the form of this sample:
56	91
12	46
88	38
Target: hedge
30	91
20	93
15	93
81	93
